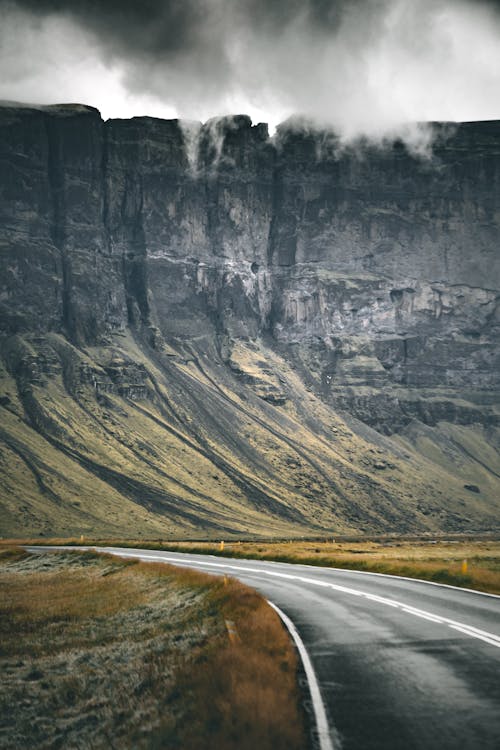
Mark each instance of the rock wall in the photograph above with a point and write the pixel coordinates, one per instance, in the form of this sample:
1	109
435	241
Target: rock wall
374	271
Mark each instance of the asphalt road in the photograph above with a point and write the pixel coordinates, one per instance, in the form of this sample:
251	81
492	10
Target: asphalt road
401	664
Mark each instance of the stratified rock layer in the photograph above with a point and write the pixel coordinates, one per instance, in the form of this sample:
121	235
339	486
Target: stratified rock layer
133	251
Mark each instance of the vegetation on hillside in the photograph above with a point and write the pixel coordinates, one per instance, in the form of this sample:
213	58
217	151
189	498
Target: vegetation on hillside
177	443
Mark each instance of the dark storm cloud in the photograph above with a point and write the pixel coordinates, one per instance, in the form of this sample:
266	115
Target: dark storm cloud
197	40
153	27
149	26
359	65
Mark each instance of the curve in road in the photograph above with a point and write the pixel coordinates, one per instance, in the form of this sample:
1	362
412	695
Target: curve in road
401	664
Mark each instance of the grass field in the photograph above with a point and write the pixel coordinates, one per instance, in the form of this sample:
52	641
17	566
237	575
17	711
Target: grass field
104	653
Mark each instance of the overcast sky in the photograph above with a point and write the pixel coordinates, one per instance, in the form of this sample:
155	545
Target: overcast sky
362	66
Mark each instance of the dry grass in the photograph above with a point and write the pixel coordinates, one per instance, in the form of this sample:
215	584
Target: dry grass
98	652
49	602
244	692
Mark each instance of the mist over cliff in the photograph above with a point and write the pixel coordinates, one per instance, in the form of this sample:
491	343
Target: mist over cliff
206	329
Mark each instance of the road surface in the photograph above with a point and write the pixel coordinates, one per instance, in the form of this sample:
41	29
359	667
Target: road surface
401	664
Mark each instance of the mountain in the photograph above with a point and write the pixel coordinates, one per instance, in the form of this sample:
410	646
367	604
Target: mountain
205	332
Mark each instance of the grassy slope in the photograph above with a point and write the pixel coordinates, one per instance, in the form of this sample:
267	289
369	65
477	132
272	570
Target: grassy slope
200	454
100	652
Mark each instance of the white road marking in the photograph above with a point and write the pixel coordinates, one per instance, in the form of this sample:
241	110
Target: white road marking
322	727
407	578
490	638
424	617
475	635
381	600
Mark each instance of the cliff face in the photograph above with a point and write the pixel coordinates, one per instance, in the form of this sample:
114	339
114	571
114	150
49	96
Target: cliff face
371	273
59	271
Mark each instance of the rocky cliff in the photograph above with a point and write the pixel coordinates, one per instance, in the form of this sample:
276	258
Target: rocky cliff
212	330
